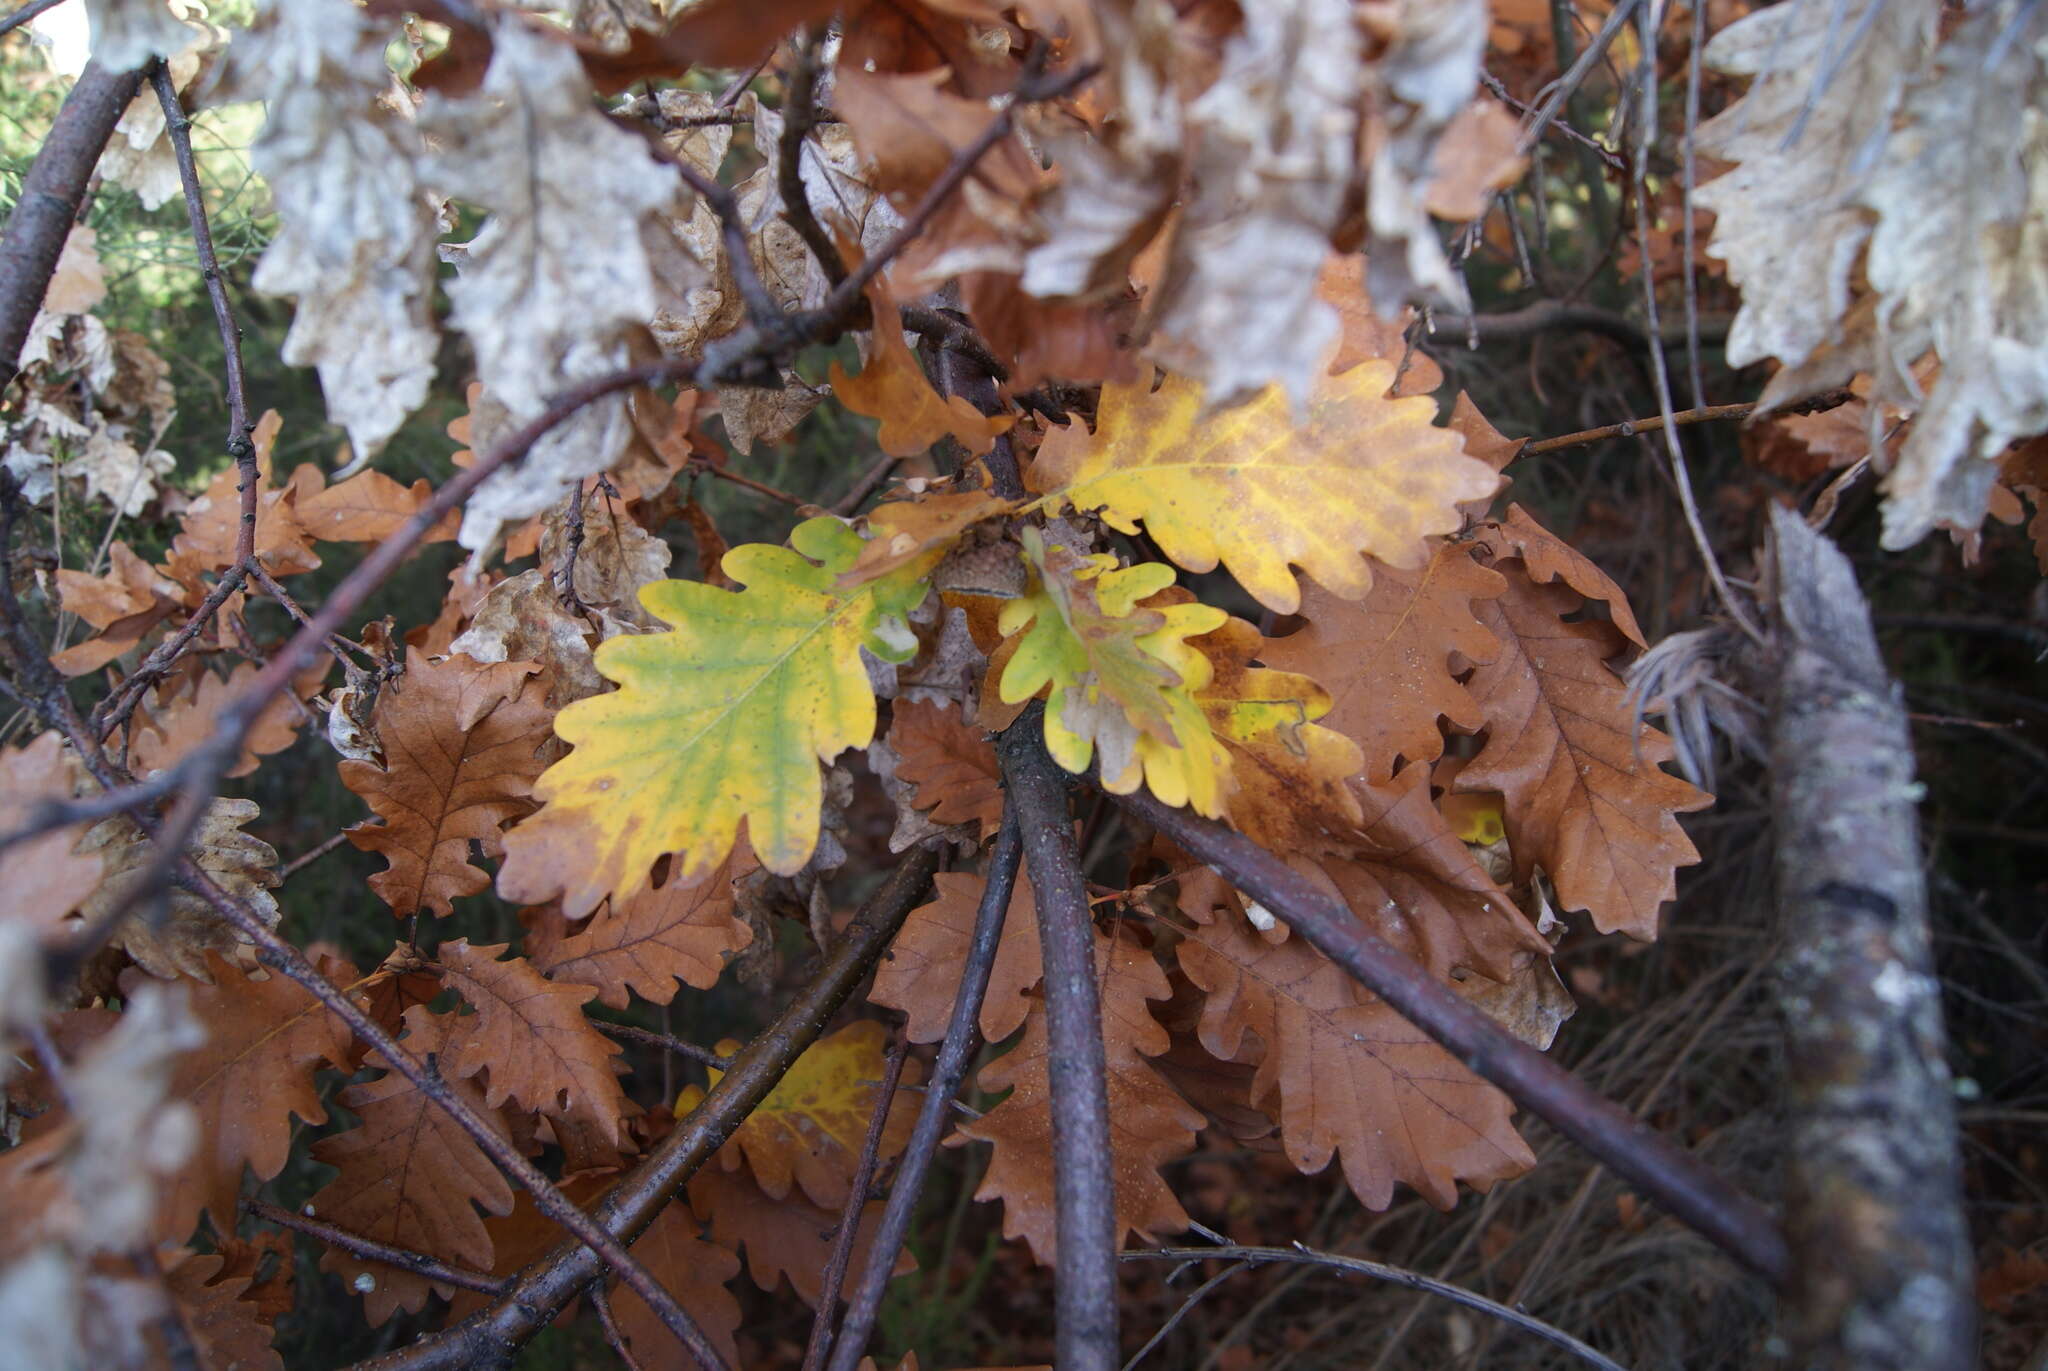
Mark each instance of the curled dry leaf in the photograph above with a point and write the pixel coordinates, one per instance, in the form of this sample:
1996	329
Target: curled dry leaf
786	1237
266	1038
177	943
47	876
1364	474
461	746
1150	1124
951	763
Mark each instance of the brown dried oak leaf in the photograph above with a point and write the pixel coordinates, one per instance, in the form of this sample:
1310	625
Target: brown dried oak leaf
661	939
920	974
787	1237
1585	798
542	1052
950	762
1149	1122
177	943
266	1038
460	741
227	1330
1387	659
1351	1075
695	1272
46	877
410	1177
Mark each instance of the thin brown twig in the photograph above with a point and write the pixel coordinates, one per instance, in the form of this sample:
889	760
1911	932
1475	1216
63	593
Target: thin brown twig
722	473
306	859
1358	1266
834	1276
613	1334
369	1249
662	1041
956	1051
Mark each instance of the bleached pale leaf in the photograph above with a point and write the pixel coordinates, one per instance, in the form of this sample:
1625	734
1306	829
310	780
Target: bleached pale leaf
1959	263
129	1132
127	33
355	235
114	471
547	289
1789	225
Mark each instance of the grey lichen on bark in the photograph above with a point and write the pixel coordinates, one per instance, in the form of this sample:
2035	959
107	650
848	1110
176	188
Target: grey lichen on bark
1874	1209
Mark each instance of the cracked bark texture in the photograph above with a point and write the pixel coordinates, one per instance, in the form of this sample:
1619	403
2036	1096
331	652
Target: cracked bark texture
1874	1206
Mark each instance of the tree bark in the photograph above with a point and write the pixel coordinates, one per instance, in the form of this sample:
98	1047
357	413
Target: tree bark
1874	1206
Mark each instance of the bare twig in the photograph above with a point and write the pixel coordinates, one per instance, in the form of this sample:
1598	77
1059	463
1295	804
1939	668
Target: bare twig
955	1052
26	13
1358	1266
800	116
1675	1179
368	1249
306	859
646	1038
613	1334
749	483
1084	1199
834	1277
1568	84
547	1285
49	200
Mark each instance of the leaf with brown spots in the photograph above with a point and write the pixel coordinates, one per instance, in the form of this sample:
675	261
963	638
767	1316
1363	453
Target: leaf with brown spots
460	742
1585	798
542	1053
1150	1124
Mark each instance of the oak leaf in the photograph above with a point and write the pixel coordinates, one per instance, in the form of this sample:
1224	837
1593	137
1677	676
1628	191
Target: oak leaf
410	1176
1586	799
653	943
692	1270
904	531
47	876
1364	474
214	1307
211	526
1387	658
530	1032
1347	1075
267	1038
460	742
124	605
1292	775
725	717
892	387
951	764
1547	557
368	508
174	722
177	943
809	1130
782	1237
1120	679
1149	1123
920	974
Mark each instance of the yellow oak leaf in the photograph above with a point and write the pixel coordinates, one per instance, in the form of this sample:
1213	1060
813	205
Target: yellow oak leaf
1365	473
1122	678
724	717
810	1129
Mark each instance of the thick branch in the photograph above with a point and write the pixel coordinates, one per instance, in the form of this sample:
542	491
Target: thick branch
1874	1202
50	196
1672	1177
549	1284
1084	1197
958	1048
